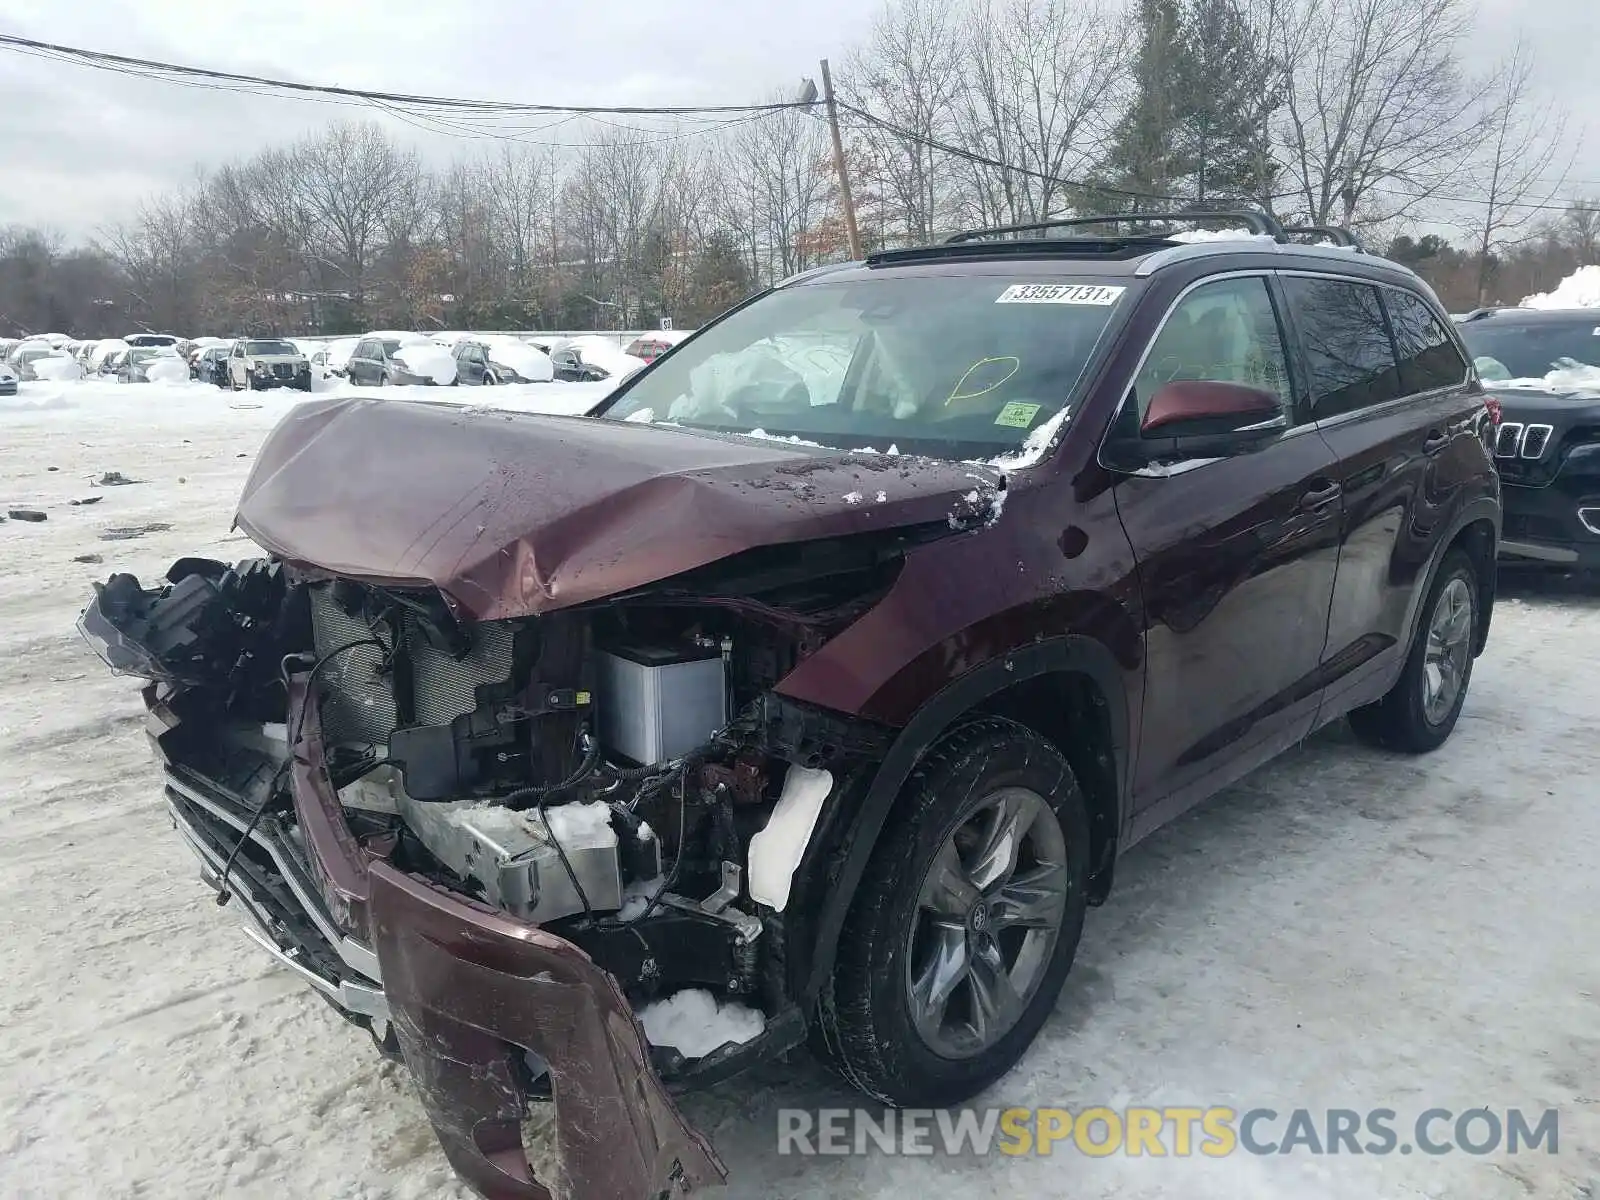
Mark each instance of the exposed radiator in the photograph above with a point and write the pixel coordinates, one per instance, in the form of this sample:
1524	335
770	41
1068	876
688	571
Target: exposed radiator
359	704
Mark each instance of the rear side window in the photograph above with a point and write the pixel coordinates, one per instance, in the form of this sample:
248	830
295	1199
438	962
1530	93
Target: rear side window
1348	350
1428	356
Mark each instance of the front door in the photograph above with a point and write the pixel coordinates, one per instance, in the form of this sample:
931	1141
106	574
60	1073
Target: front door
1236	558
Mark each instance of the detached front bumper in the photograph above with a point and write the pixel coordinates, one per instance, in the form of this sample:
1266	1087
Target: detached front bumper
469	992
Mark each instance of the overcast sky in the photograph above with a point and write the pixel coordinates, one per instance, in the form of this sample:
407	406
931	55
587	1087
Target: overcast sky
79	148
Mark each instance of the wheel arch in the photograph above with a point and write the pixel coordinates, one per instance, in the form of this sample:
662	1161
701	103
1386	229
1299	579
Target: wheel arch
1479	538
1069	690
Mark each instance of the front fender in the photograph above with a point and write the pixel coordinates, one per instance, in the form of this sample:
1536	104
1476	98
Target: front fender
838	862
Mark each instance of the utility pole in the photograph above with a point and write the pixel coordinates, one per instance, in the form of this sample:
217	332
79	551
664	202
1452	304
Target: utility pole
845	199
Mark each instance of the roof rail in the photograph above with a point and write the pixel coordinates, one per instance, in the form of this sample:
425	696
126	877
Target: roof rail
1087	247
1256	222
1337	234
1478	314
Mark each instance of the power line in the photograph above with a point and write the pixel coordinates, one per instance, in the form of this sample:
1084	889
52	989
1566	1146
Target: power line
984	160
229	80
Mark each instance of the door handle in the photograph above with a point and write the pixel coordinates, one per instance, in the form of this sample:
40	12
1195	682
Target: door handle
1434	442
1321	497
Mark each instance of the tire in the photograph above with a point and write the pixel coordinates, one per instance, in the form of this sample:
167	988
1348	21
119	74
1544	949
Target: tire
489	380
1411	718
902	924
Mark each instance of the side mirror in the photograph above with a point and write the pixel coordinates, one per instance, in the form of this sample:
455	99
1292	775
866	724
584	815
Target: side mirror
1192	418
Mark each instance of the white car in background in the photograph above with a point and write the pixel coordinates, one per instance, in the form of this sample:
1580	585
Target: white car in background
334	356
255	364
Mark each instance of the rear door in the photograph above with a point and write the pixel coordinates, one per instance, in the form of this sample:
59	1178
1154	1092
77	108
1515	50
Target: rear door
1389	396
1236	558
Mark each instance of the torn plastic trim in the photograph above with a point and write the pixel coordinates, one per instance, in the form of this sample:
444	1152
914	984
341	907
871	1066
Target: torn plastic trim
471	991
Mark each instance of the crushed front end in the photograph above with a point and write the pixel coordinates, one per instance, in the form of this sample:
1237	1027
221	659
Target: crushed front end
495	844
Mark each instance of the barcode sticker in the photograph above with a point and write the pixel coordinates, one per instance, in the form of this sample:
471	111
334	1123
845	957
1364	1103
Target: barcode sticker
1060	293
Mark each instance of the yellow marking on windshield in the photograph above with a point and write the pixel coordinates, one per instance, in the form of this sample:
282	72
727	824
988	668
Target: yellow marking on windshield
957	394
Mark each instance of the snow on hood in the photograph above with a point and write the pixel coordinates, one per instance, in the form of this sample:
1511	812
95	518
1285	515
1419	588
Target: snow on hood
1581	289
513	514
1577	378
60	367
428	360
605	354
166	368
527	361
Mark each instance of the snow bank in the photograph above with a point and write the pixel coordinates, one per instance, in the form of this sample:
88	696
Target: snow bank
694	1024
1581	289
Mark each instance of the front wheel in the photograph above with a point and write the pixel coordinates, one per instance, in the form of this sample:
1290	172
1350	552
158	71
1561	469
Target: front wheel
1423	706
965	923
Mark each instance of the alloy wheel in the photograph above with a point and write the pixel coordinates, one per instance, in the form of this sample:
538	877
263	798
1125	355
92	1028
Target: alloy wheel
988	915
1448	651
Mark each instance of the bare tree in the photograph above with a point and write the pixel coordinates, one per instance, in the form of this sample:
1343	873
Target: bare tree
1037	81
349	180
781	189
907	76
1580	229
1379	119
1524	141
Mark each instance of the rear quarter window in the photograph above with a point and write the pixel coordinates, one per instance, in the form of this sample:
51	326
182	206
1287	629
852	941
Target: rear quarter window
1428	356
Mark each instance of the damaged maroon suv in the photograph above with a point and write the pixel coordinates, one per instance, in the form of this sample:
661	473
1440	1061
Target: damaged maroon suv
810	687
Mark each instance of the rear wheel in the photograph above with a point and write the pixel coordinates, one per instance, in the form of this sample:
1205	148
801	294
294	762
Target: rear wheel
966	923
1423	706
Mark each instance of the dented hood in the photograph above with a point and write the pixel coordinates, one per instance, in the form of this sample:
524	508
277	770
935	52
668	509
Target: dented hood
512	514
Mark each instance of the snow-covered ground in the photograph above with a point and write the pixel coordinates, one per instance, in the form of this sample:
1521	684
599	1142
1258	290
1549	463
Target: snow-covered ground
1344	929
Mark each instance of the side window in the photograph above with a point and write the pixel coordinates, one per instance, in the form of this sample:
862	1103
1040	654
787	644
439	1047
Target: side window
362	350
1429	358
1347	345
1222	332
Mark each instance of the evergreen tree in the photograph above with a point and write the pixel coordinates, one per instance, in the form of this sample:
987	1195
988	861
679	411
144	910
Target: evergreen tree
1227	88
1197	128
1143	156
